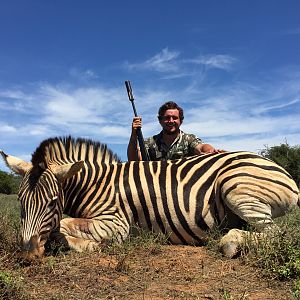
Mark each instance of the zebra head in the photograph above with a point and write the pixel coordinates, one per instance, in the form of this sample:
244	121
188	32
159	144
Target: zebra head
41	201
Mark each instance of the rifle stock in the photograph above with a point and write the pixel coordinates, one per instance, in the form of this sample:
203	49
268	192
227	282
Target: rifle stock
139	130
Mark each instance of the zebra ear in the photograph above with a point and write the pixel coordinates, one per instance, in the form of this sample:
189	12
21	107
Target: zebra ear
67	170
17	165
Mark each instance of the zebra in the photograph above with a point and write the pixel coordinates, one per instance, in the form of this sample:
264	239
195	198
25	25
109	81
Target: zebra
184	198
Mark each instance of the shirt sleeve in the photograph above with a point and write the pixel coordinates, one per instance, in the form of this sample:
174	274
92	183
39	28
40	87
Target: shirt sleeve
193	141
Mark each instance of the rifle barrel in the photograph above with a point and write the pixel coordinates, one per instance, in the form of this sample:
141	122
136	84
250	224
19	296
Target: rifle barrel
139	130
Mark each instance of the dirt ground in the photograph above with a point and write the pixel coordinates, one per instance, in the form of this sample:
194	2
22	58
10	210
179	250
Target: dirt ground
173	272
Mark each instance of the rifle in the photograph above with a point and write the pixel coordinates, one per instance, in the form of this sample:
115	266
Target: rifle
139	130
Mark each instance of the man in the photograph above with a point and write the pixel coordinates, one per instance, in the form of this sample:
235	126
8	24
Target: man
171	142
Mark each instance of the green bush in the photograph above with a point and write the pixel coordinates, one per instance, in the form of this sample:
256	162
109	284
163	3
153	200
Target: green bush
287	157
9	183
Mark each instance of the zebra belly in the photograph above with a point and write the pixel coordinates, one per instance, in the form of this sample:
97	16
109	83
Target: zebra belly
181	230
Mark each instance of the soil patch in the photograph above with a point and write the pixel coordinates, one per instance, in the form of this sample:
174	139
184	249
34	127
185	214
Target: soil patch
174	272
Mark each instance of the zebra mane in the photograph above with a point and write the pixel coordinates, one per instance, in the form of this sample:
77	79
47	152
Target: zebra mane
69	149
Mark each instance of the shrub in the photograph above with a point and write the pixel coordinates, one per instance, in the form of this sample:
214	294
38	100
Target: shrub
9	183
287	157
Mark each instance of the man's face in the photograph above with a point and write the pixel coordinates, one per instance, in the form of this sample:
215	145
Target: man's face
170	121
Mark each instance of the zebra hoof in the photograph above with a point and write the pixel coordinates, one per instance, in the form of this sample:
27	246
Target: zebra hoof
230	249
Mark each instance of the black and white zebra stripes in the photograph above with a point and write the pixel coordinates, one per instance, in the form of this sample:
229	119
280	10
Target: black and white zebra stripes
183	198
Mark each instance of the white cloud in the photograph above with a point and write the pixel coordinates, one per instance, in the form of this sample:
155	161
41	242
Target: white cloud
254	143
106	113
266	108
83	74
14	94
241	126
218	61
14	100
241	111
171	65
114	131
66	106
164	61
25	131
4	128
37	130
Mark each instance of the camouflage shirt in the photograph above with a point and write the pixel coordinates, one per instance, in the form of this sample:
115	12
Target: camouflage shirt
183	146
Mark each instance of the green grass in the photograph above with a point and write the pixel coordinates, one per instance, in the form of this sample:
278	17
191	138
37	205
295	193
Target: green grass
9	202
11	287
10	222
11	283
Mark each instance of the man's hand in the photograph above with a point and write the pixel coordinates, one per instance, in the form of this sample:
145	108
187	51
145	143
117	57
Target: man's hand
133	152
207	148
136	123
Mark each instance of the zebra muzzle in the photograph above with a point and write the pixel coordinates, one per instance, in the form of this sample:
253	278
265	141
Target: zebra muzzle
32	249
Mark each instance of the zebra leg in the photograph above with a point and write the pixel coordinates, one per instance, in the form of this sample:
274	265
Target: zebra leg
88	234
232	242
255	213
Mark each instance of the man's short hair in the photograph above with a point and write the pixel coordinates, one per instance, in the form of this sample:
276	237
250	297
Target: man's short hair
170	105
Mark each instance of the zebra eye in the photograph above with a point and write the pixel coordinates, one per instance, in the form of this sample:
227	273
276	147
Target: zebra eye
53	202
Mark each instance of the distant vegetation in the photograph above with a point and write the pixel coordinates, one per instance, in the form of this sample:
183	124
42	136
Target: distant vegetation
286	156
9	183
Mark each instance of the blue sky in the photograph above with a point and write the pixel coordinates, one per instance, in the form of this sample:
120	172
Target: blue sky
234	67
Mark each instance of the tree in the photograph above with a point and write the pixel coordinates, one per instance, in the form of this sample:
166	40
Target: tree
287	157
9	183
